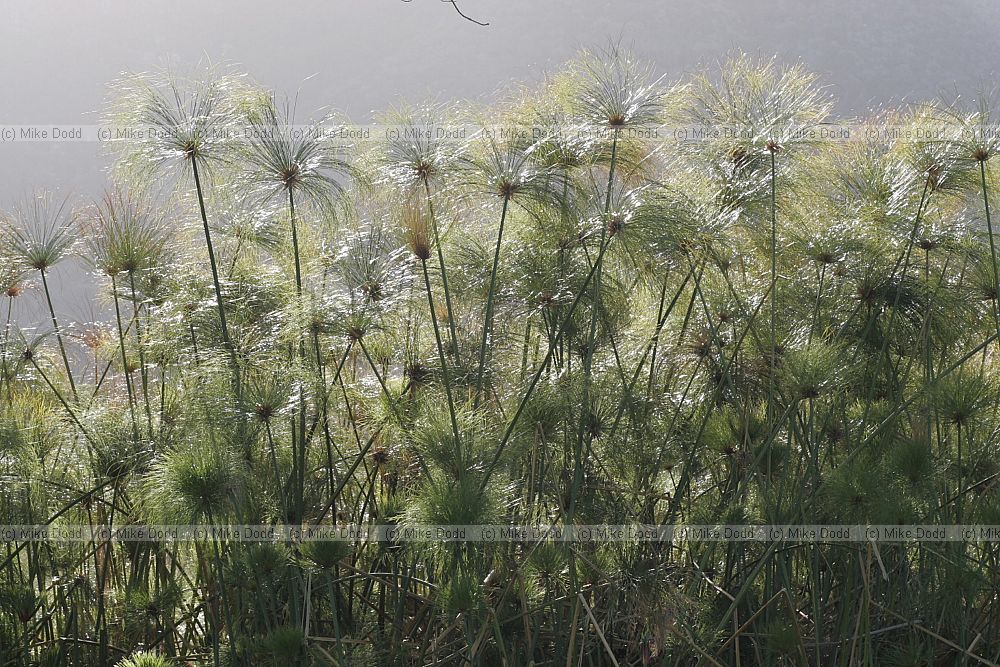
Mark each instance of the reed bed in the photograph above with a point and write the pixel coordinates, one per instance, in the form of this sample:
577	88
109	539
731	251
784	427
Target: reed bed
587	323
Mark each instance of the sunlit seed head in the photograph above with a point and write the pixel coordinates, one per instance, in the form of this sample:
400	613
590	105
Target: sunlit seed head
94	336
40	232
547	299
615	89
701	344
934	174
124	232
594	425
415	225
277	161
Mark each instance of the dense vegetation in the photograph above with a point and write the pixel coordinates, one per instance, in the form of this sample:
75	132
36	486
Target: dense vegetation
584	324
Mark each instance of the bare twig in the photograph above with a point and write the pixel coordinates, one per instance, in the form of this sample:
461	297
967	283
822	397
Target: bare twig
454	3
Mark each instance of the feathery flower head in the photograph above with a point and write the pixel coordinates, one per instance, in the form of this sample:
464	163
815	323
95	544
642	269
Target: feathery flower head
616	90
124	233
281	158
194	482
416	229
505	168
13	273
145	659
177	120
418	149
40	232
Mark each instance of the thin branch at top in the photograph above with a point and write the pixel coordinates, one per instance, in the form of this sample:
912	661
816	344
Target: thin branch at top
465	16
454	3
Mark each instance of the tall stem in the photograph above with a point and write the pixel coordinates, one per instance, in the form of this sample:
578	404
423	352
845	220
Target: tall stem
6	337
142	354
69	410
774	290
556	342
588	358
440	350
488	320
295	242
121	347
55	328
993	249
215	279
301	467
444	272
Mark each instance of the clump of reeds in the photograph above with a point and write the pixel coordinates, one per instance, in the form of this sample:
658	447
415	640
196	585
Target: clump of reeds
590	323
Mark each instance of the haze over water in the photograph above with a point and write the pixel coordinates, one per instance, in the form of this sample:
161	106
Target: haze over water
364	55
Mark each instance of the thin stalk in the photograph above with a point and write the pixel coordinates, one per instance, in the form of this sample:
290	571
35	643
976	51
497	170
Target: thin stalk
444	272
993	249
274	465
512	424
819	297
217	559
6	338
490	295
215	279
121	347
55	328
295	242
588	358
440	349
774	289
142	354
302	441
65	403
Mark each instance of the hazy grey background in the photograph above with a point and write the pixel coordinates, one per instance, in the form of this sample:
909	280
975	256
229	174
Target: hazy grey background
57	58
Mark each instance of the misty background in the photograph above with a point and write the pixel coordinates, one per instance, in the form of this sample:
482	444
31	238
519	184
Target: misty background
360	56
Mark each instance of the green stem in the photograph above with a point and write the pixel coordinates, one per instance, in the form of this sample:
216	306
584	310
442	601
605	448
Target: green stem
142	354
993	250
512	424
490	295
121	347
4	379
215	280
65	403
441	357
55	328
295	242
774	290
444	272
588	358
300	491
